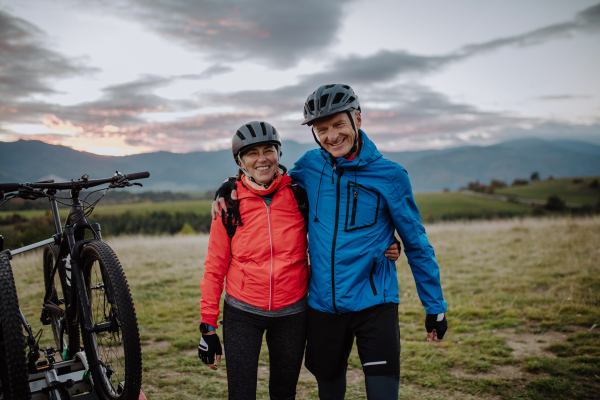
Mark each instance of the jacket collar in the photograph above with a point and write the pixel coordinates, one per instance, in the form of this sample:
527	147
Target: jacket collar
243	192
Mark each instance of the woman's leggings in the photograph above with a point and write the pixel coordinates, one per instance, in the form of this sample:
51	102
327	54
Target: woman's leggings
242	338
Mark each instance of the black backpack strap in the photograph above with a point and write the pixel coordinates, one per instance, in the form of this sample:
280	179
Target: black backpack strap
231	217
302	200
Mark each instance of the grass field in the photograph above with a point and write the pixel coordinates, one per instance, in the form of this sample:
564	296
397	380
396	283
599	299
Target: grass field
567	189
432	206
523	297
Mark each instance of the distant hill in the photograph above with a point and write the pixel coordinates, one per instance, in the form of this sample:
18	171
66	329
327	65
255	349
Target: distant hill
429	171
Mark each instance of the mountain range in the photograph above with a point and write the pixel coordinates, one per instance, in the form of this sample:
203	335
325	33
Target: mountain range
429	170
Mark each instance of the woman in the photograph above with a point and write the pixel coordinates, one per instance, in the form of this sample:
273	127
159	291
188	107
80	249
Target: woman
265	262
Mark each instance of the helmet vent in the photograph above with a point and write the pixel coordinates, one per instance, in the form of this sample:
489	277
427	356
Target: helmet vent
338	97
251	129
311	105
240	135
264	128
350	100
323	100
346	87
329	86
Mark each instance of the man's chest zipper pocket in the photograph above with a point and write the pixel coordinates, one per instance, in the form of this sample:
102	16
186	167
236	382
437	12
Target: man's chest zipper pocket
362	207
355	196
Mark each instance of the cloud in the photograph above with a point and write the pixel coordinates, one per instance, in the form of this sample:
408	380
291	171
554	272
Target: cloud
210	72
275	33
26	65
565	97
586	21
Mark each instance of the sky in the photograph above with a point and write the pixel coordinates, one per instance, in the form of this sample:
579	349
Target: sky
122	77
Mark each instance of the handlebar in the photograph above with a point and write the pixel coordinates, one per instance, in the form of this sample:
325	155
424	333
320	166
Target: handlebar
9	187
138	175
78	184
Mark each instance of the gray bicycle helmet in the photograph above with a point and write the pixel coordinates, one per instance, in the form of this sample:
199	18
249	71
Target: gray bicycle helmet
253	133
328	100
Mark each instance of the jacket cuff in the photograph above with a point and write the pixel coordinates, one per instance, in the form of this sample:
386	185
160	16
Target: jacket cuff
210	320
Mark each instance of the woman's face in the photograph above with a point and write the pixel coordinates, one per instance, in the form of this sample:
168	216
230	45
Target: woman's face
261	161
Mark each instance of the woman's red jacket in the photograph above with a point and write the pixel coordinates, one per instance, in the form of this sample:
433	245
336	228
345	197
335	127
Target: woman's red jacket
265	262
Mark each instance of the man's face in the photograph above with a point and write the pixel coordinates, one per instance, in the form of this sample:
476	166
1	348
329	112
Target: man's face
336	134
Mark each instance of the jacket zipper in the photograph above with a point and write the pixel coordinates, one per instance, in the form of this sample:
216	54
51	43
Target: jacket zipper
271	244
353	220
371	276
337	217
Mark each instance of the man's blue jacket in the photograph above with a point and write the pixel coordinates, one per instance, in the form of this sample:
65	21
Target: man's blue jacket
354	209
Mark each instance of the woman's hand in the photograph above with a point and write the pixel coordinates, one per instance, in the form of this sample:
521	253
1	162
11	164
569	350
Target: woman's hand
393	252
210	349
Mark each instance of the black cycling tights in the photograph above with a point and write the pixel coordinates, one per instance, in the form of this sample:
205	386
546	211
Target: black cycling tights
242	338
378	388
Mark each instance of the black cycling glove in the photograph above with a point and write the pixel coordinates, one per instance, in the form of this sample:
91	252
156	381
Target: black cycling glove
226	187
209	346
440	327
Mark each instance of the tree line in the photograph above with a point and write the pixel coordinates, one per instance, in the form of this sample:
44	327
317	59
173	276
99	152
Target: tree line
19	231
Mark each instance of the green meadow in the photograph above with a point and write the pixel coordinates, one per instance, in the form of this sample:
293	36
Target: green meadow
572	190
523	297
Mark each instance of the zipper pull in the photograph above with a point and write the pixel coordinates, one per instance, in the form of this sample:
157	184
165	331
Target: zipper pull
334	168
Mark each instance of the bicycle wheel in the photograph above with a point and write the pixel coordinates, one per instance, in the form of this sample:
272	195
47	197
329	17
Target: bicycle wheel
117	351
65	331
13	362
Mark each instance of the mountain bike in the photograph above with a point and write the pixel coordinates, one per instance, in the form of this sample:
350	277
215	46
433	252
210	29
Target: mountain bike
86	295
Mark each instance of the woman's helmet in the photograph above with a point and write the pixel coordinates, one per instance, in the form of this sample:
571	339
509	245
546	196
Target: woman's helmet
328	100
253	133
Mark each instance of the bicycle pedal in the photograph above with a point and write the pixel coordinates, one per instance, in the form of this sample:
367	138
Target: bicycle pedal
45	317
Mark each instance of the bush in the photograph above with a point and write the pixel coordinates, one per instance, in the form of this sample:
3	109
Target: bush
27	231
12	219
535	177
595	184
554	203
520	182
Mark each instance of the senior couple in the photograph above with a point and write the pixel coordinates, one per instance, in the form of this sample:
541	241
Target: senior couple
350	200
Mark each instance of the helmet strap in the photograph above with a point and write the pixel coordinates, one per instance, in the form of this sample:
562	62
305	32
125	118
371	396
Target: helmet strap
315	137
356	133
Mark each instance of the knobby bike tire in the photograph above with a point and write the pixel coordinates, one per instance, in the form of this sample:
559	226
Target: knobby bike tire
65	331
13	363
119	351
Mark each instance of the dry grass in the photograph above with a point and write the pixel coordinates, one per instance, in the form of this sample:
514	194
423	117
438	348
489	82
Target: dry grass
523	298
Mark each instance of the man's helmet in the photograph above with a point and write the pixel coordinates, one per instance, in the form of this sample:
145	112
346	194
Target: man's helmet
328	100
253	133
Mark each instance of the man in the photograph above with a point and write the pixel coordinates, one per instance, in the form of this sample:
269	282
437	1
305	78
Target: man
357	199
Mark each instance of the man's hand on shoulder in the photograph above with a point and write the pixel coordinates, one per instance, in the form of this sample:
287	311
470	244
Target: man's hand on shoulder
227	188
436	325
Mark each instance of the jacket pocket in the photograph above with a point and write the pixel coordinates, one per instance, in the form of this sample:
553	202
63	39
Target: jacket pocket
373	270
362	207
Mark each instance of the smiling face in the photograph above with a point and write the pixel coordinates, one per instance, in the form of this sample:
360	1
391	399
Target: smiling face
336	134
261	162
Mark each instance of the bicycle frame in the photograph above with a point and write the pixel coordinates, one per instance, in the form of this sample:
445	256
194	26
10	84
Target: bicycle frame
70	242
